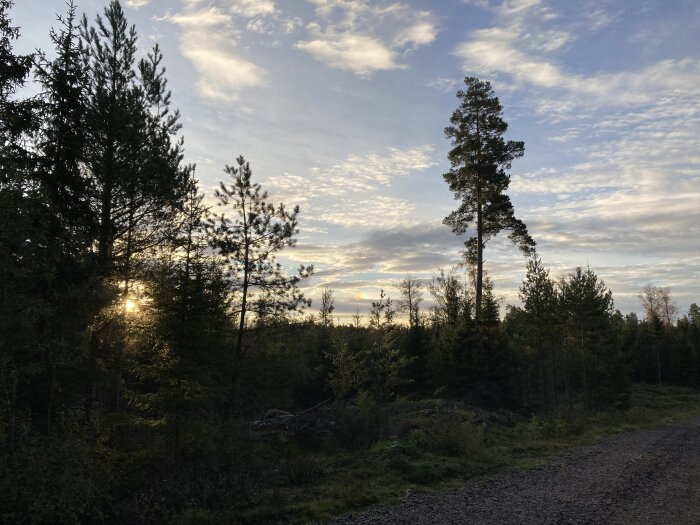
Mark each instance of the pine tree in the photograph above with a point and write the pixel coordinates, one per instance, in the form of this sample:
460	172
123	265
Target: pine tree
325	313
249	242
453	329
62	141
479	159
138	182
69	281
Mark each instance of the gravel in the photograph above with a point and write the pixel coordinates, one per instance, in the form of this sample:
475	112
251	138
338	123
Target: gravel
641	477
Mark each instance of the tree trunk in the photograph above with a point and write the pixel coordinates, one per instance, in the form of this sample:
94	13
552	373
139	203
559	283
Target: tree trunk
479	259
104	251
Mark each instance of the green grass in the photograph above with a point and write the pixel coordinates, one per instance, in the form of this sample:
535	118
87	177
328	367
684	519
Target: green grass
429	445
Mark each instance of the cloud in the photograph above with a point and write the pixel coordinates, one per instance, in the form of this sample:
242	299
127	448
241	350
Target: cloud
419	34
200	19
357	53
356	271
448	85
261	26
222	72
521	51
136	3
363	37
356	192
252	8
510	7
209	41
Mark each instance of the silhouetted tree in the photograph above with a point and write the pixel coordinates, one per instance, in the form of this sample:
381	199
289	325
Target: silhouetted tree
22	236
327	306
586	305
249	242
540	301
657	302
138	182
411	299
479	159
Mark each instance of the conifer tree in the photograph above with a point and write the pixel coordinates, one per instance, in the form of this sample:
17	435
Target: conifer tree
479	159
540	300
21	236
586	305
135	167
62	141
249	241
69	281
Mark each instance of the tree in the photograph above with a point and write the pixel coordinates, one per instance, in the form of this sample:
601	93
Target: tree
21	235
451	362
490	307
382	358
249	243
479	159
178	346
325	313
382	312
137	180
657	303
69	280
586	306
411	298
452	303
539	297
62	141
137	184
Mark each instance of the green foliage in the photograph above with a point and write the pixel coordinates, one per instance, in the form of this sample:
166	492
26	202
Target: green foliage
126	308
249	243
479	159
346	368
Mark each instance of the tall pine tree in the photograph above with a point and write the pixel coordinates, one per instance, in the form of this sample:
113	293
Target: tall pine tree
479	159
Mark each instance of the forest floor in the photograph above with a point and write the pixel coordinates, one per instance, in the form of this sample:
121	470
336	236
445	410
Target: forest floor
440	461
641	477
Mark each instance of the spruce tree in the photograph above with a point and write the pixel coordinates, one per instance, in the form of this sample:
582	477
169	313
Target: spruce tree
540	304
22	239
586	306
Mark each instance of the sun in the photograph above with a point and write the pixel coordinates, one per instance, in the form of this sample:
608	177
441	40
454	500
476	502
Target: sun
130	305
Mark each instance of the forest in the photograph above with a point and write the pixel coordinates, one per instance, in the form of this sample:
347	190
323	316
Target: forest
159	365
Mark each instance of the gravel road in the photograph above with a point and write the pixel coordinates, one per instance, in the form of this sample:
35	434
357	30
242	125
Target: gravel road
642	477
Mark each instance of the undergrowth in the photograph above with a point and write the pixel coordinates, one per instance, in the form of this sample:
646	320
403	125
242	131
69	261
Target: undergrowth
376	455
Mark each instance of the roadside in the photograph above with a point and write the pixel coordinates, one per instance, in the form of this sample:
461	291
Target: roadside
641	477
421	453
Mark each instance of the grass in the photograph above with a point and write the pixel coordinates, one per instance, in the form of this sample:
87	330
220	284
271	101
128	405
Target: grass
427	445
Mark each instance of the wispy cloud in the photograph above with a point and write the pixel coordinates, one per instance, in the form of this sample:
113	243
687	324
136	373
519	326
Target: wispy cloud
364	37
447	85
356	191
357	53
522	49
222	72
209	41
252	8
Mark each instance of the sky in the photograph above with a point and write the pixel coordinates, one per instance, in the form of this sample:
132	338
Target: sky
340	107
